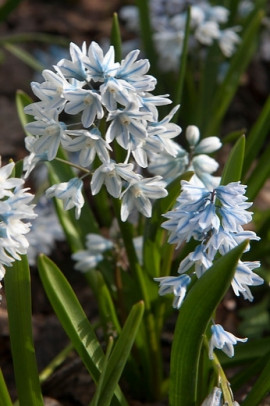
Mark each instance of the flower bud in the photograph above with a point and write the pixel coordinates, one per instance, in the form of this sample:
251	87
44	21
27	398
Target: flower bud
192	135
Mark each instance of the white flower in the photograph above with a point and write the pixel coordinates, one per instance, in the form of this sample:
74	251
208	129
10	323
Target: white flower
88	143
111	175
71	194
138	195
87	101
207	32
128	127
214	399
176	285
87	259
16	211
100	66
45	231
228	40
223	340
244	277
74	68
192	135
7	183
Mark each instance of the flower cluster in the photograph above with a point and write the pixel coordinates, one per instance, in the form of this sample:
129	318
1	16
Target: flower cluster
168	19
15	213
195	159
214	218
101	109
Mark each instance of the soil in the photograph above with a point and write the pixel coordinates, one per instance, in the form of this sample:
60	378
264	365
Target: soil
81	20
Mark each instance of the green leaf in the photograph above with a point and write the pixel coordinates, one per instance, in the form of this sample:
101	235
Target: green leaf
182	70
116	38
4	395
259	175
22	100
24	56
238	65
257	136
261	386
194	317
73	320
119	355
18	294
147	34
233	169
102	294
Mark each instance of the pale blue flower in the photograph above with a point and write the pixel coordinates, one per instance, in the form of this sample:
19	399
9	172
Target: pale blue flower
176	285
128	127
16	211
71	194
50	92
206	145
169	168
244	277
89	258
100	66
164	131
114	91
138	195
45	231
49	132
111	175
7	183
218	228
86	101
228	40
88	143
192	135
200	259
214	398
181	160
74	68
134	71
223	340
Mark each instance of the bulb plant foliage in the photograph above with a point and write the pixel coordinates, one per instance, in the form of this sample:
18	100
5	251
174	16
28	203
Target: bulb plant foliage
159	231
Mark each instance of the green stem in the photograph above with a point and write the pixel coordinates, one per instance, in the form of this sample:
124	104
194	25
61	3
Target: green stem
56	362
153	341
222	379
73	165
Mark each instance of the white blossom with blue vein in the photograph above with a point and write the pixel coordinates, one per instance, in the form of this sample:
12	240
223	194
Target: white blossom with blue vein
91	105
16	211
223	340
215	219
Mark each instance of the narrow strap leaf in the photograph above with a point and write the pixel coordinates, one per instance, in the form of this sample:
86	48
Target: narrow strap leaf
256	137
259	175
18	294
74	320
24	56
233	169
194	316
116	38
119	356
261	386
4	395
182	70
